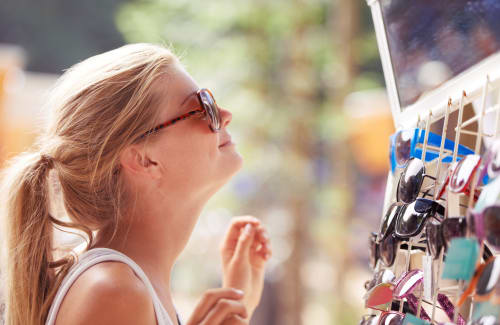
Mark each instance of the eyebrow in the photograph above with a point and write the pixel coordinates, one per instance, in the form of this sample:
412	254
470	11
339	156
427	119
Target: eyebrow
188	97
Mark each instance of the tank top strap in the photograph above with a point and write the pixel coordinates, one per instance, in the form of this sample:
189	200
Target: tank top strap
93	257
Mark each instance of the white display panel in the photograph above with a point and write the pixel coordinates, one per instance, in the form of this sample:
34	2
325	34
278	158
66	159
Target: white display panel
432	51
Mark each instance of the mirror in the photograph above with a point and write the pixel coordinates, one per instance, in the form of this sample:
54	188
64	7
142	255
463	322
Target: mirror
430	41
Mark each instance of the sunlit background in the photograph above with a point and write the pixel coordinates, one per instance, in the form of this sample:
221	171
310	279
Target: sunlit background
304	82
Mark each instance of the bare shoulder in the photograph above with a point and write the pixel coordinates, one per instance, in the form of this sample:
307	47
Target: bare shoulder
107	293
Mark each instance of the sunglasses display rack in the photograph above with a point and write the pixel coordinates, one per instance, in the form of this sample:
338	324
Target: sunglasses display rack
436	255
454	182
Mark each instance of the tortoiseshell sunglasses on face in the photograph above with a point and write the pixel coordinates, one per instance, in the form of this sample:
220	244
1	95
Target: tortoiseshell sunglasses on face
208	107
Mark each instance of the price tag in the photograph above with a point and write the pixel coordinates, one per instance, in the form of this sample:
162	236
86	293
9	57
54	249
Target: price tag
461	259
427	262
485	309
412	320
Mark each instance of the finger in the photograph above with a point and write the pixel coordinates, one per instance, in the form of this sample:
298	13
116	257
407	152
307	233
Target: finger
235	320
233	232
210	298
262	234
265	251
268	254
223	309
261	238
242	250
256	246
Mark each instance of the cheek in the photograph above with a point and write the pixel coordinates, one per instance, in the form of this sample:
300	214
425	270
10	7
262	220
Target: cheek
190	155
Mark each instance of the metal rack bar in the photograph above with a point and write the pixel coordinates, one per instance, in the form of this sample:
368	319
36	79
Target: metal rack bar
459	126
494	108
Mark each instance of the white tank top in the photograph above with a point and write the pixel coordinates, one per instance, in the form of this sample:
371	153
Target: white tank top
98	255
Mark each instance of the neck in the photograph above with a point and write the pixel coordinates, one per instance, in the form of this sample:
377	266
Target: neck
155	235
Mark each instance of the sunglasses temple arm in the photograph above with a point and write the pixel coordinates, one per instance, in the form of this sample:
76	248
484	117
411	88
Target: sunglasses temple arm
426	193
438	218
431	177
487	254
472	285
440	209
449	308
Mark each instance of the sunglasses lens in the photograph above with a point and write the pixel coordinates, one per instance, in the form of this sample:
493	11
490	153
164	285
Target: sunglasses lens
409	222
489	277
434	239
391	319
463	173
471	221
492	225
453	227
379	297
388	222
424	205
411	181
387	249
403	147
407	283
211	108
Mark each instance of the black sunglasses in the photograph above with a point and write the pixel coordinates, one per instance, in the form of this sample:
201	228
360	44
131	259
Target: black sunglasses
384	250
407	220
440	233
413	217
388	221
208	107
410	182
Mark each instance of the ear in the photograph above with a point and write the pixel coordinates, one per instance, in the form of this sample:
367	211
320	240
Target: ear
135	160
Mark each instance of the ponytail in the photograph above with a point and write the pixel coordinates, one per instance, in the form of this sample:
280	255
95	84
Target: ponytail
28	261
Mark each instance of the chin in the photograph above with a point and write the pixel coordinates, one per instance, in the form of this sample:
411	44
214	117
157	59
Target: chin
238	163
231	168
235	167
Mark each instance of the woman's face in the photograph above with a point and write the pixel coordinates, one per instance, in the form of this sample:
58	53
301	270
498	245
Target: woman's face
188	154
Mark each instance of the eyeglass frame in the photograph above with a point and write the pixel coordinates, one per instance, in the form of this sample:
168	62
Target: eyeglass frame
189	114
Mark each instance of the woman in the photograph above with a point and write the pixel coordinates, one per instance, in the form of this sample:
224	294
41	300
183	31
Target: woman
135	182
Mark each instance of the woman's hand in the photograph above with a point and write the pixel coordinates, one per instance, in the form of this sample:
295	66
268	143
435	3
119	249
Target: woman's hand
220	307
245	251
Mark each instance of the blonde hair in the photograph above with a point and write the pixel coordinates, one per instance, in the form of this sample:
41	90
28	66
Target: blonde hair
99	107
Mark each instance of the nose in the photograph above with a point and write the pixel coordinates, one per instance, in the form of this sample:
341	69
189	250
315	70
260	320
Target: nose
225	116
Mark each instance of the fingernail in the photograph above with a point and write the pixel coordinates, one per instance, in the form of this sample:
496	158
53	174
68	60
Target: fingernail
241	293
248	229
265	235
